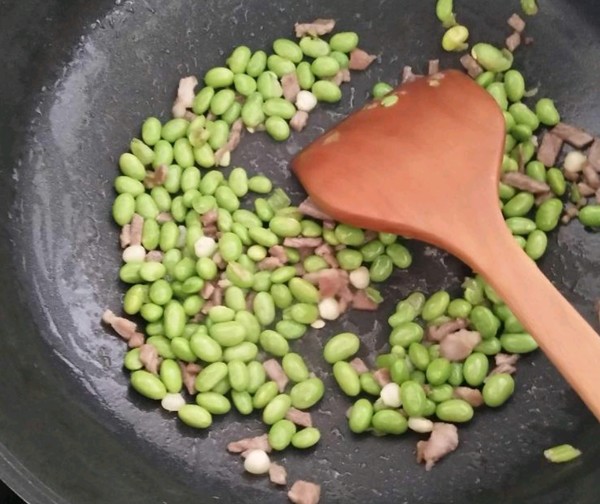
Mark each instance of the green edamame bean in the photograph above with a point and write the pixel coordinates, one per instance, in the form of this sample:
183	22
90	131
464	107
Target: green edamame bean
210	376
444	11
238	59
389	421
195	416
349	259
285	226
215	404
148	385
245	352
529	7
369	384
324	67
456	373
413	398
291	329
519	205
134	299
546	112
307	393
202	100
132	360
252	112
268	86
303	291
492	58
276	409
130	273
524	115
256	252
239	276
399	371
475	369
151	312
162	345
151	131
548	214
206	268
295	368
438	371
181	349
256	376
406	333
146	206
219	77
455	39
264	308
123	208
537	242
372	250
274	343
288	49
347	378
514	83
132	167
455	411
262	281
381	89
314	47
326	91
484	321
556	181
306	438
400	255
342	58
141	151
435	306
174	129
124	184
163	154
281	66
344	41
227	334
277	128
235	298
536	170
486	78
304	313
521	132
220	314
306	79
238	375
205	348
170	375
497	389
381	268
265	394
440	393
459	308
314	263
280	434
349	235
242	402
419	356
588	215
256	64
497	91
521	225
518	343
341	347
230	247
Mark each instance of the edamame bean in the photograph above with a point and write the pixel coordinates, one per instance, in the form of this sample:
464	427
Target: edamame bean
151	131
307	393
459	308
546	112
304	313
215	404
361	415
518	343
341	347
195	416
556	181
170	375
498	93
306	438
455	411
492	58
288	49
475	369
347	378
281	66
181	349
484	321
148	385
238	60
132	360
219	77
265	394
435	306
162	345
291	329
440	393
314	47
256	64
444	11
497	389
274	343
489	346
295	368
326	91
521	225
419	356
280	434
276	409
455	38
252	113
239	276
405	334
548	214
277	128
381	268
227	334
438	371
537	242
514	83
389	421
413	398
264	308
238	375
456	373
519	206
324	67
306	79
589	215
529	7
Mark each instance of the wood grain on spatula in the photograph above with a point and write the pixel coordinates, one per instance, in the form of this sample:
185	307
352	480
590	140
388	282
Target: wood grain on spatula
428	167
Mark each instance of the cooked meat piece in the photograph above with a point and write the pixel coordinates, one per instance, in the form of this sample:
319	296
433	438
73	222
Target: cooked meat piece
235	135
408	75
207	290
279	252
154	256
326	252
137	225
359	365
209	217
122	326
360	301
277	474
136	340
459	345
360	60
591	177
382	376
471	395
275	372
438	333
185	96
513	41
270	263
305	492
525	183
594	154
302	242
330	281
291	88
471	66
156	177
443	440
434	67
299	121
342	76
125	236
549	149
253	443
516	22
217	296
505	363
149	358
572	135
315	29
189	372
571	211
308	207
585	190
219	261
163	217
302	418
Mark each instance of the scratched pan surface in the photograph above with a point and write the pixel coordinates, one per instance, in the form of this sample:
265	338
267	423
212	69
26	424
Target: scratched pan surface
79	77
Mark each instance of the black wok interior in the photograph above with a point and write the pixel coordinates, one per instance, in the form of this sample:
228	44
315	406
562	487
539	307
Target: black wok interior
79	77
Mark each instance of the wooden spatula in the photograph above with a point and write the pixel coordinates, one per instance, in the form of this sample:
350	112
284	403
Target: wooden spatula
427	167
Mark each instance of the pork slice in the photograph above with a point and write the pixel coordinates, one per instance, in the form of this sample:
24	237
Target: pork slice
342	76
360	60
216	297
299	121
459	345
330	282
305	492
315	29
275	372
513	41
189	373
125	328
207	290
302	242
253	443
299	417
516	22
382	376
433	67
471	66
149	358
572	135
540	198
308	207
137	340
571	211
326	252
209	217
525	183
125	236
291	88
549	149
137	225
443	440
438	333
360	301
591	176
408	75
359	365
154	256
233	140
163	217
505	363
279	252
277	474
185	95
471	395
270	263
585	190
594	154
156	177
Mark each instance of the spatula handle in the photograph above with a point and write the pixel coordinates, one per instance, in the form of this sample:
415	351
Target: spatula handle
562	333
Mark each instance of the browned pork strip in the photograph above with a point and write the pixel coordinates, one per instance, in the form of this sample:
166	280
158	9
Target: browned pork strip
572	135
471	66
471	395
360	60
315	29
359	365
443	440
149	358
305	492
513	41
189	372
549	149
459	345
516	22
291	88
253	443
275	372
438	333
505	363
299	417
525	183
277	474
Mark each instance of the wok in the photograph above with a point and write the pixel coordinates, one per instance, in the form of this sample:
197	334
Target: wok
79	77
